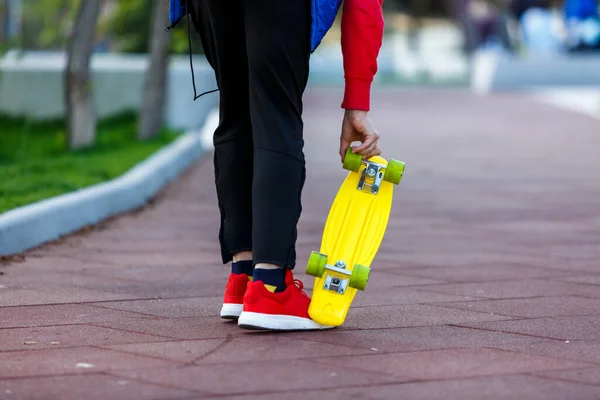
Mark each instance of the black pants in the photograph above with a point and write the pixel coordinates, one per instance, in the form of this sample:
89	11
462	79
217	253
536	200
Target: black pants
259	50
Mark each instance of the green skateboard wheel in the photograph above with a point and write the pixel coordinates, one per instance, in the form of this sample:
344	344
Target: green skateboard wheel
394	171
352	161
359	277
316	264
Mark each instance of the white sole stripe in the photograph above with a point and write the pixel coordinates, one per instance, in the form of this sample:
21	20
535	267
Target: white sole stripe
251	320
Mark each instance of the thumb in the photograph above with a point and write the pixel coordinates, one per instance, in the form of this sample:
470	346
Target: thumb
344	145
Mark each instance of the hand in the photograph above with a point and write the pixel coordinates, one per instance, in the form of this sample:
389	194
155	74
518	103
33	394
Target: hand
356	126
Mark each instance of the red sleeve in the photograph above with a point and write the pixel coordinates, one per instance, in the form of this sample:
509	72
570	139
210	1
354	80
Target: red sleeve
362	35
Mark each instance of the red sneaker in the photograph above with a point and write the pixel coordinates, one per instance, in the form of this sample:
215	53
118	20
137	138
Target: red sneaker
233	300
287	310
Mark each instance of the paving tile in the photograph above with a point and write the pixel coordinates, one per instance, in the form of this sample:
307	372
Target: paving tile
483	273
24	277
246	348
282	376
12	295
516	288
15	317
564	328
424	338
402	295
115	288
159	259
589	375
578	350
67	336
108	244
96	279
411	315
451	363
452	251
301	394
198	271
398	279
88	386
183	328
384	278
70	361
589	279
53	263
186	351
533	307
576	251
267	347
488	388
172	308
161	287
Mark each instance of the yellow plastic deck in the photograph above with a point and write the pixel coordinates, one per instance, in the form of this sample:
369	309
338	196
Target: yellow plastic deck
353	232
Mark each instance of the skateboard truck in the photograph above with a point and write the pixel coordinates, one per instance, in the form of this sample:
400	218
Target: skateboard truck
335	284
374	172
371	176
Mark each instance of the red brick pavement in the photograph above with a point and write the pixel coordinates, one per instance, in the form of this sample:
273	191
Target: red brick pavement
487	285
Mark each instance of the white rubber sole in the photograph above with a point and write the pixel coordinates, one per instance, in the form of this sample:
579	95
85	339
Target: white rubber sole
250	320
231	311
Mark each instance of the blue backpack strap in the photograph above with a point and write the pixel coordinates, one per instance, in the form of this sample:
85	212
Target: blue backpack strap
177	10
323	16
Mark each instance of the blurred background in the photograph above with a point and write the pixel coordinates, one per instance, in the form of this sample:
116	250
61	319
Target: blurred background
88	89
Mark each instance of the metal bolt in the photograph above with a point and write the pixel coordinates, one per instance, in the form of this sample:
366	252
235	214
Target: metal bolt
371	172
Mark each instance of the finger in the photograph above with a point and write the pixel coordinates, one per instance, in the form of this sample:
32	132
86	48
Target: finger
343	148
372	152
376	151
369	142
360	149
369	152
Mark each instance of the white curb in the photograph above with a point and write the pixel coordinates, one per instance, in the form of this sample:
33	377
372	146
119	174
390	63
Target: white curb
582	100
29	226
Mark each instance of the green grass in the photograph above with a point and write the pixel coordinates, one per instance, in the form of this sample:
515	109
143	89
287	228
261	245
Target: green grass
35	162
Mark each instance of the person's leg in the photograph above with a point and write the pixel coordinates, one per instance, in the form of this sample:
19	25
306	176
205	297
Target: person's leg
278	40
220	24
278	43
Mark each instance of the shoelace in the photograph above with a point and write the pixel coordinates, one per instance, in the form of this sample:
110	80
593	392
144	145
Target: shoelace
300	286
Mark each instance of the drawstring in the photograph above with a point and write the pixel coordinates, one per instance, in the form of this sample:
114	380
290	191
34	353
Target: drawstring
171	26
196	97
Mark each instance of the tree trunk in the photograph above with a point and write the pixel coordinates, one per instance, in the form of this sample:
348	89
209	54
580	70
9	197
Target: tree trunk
151	120
81	117
4	14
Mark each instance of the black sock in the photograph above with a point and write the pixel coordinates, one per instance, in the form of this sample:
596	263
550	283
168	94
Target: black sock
242	267
273	279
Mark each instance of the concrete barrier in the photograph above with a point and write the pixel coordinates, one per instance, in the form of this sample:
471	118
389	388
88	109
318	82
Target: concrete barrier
31	85
494	71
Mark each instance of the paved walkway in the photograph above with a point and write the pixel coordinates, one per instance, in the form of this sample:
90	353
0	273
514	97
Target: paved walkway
487	285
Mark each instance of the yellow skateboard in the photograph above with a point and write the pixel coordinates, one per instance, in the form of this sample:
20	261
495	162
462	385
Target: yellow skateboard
353	232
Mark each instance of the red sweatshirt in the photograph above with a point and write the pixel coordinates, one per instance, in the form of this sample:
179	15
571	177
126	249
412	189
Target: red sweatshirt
362	35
